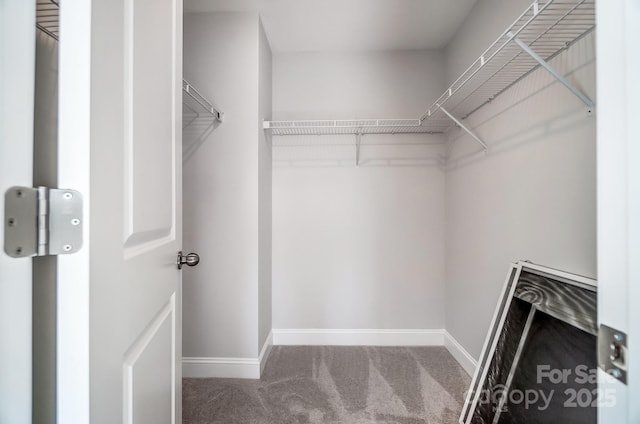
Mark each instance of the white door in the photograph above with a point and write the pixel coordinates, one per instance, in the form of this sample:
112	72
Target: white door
618	70
120	145
17	60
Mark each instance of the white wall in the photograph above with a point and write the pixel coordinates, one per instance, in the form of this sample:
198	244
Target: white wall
221	190
264	190
394	84
357	247
484	24
533	196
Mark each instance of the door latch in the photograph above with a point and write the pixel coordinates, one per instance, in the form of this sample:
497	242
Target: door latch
42	221
612	352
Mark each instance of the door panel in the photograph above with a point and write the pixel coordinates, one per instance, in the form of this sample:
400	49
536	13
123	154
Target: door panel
149	392
17	64
152	234
134	229
149	124
140	297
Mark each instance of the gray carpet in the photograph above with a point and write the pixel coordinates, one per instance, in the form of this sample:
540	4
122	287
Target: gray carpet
349	385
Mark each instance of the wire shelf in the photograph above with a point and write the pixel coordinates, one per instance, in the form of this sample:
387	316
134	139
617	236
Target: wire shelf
547	27
48	17
196	106
355	127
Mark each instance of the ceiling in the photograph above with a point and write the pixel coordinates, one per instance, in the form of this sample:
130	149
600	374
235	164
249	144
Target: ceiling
350	25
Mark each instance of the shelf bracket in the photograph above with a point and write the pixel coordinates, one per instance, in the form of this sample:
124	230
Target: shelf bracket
358	141
587	101
467	130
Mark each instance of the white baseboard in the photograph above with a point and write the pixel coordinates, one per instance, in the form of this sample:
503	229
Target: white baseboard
461	355
204	367
357	337
265	352
251	368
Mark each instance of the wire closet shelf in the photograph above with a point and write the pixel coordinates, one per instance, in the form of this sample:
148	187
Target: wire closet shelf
195	104
547	28
543	31
354	127
48	17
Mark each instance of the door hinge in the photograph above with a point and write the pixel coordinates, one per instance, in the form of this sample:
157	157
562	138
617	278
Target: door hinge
612	352
42	221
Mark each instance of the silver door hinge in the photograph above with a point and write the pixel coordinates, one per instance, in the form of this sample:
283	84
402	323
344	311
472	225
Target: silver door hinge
612	352
42	221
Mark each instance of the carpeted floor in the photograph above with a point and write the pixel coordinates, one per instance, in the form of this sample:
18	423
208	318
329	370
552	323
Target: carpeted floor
348	385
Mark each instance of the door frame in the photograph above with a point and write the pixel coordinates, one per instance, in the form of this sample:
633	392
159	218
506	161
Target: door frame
74	106
17	76
618	66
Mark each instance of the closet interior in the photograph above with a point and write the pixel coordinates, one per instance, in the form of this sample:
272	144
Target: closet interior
375	197
318	225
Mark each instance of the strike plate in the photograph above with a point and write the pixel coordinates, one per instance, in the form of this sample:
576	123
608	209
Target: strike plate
42	221
612	352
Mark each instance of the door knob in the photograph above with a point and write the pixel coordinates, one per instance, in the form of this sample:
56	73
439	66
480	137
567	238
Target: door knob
192	259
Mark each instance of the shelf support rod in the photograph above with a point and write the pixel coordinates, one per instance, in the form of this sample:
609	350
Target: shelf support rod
467	130
587	101
358	140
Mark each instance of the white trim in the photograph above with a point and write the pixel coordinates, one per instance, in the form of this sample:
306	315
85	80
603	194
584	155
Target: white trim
251	368
73	353
266	351
618	196
17	66
555	273
357	337
491	340
460	354
510	282
204	367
